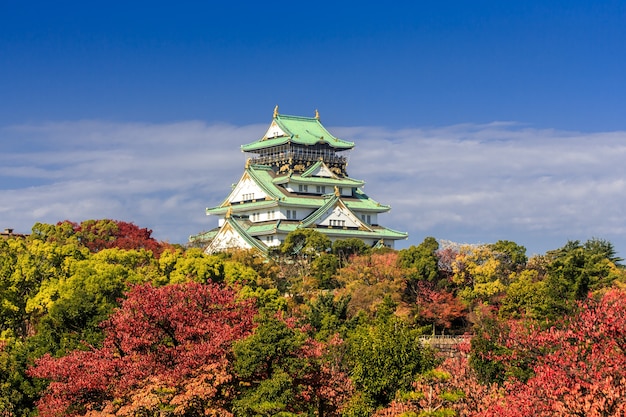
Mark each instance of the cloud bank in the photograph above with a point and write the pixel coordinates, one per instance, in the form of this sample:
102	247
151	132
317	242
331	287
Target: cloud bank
467	183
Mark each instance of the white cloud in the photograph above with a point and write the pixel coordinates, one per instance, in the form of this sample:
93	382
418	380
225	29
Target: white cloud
497	181
473	183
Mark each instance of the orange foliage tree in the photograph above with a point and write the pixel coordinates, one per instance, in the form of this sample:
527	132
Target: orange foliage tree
368	279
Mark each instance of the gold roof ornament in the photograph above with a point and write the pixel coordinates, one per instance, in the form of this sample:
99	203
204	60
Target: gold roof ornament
229	213
317	114
337	193
276	111
248	162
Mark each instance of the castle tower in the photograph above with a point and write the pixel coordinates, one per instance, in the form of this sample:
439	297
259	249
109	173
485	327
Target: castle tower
296	178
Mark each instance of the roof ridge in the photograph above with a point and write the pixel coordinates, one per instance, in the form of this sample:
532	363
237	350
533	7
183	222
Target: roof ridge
291	116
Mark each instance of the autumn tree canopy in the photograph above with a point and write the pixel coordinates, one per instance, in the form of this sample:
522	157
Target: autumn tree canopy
165	349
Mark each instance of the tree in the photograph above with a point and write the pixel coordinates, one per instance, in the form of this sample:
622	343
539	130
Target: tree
305	242
439	307
525	297
296	255
346	248
191	265
324	269
451	389
368	279
166	346
478	271
100	234
512	255
574	270
328	315
284	372
421	260
384	358
579	367
69	308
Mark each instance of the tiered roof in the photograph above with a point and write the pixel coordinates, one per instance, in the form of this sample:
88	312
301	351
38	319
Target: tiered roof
267	179
297	151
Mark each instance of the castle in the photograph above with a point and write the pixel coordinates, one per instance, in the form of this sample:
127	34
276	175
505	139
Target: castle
297	178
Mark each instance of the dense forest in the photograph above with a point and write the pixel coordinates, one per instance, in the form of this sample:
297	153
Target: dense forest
101	319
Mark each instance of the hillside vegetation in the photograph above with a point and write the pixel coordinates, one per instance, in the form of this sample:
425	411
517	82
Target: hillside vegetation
100	319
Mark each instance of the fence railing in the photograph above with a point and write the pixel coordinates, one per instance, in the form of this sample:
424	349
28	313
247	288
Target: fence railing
447	344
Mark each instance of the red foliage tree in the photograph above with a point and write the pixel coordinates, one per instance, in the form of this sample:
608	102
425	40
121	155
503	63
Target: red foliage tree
579	367
104	234
165	348
439	307
450	389
325	383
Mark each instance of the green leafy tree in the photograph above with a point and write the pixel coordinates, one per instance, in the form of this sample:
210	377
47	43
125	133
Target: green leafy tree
385	357
18	392
576	269
346	248
324	268
307	243
71	308
283	372
526	296
191	265
295	257
421	261
512	256
328	315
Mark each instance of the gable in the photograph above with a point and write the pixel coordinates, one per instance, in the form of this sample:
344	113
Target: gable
319	169
323	171
339	216
274	131
226	238
335	214
246	190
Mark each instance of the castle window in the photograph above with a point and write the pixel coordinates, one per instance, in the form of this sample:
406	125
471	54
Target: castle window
303	188
320	189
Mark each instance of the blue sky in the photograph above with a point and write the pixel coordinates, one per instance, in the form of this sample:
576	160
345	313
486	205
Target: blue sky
475	120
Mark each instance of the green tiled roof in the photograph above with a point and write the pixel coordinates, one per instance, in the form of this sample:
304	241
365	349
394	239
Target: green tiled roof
255	243
375	232
319	164
267	180
248	231
204	236
264	177
300	179
313	217
260	204
299	130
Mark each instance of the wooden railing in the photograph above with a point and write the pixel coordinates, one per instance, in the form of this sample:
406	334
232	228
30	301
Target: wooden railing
447	344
